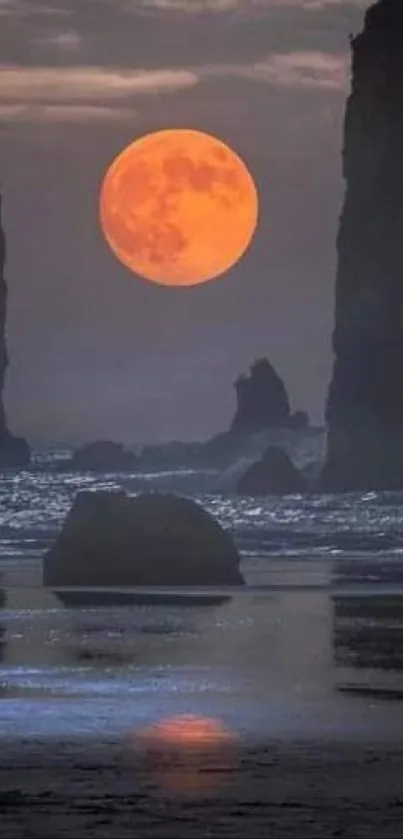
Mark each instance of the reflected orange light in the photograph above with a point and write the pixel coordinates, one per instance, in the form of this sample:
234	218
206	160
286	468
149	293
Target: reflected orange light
188	754
187	732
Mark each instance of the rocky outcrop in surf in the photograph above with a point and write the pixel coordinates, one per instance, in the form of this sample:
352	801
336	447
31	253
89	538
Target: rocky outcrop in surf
273	474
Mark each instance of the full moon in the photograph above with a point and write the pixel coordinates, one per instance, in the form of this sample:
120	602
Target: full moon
178	207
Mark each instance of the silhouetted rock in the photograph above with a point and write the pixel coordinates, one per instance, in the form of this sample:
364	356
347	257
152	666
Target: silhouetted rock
273	474
102	456
299	421
365	403
14	451
262	400
111	539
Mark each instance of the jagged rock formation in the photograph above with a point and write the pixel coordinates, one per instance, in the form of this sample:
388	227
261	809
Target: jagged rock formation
154	539
273	474
365	403
262	400
14	451
102	456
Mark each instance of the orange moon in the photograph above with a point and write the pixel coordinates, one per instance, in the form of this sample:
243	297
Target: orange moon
178	207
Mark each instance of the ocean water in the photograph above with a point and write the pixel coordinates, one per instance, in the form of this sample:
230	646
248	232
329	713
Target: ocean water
278	662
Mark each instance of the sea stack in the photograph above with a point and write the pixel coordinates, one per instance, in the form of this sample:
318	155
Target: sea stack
365	402
262	400
14	451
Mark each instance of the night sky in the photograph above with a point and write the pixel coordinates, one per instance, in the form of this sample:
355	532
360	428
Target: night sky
95	351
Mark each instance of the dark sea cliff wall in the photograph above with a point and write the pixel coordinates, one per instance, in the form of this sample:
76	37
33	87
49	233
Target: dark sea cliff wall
14	451
365	402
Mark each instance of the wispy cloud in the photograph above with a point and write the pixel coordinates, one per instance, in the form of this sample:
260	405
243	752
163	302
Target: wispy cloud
246	6
56	84
81	94
30	8
95	93
68	41
299	69
303	69
64	113
158	34
188	6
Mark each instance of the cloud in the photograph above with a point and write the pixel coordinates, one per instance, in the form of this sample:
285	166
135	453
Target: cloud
64	113
65	8
187	6
68	41
299	69
59	84
160	34
80	94
247	7
30	8
304	69
77	94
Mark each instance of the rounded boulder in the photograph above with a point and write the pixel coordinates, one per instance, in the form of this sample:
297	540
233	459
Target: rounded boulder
273	474
153	539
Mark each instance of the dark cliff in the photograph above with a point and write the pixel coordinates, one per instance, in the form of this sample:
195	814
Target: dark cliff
3	311
365	402
14	451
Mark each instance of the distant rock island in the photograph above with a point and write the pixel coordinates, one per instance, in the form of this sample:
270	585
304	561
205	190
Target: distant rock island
262	401
365	402
262	417
14	451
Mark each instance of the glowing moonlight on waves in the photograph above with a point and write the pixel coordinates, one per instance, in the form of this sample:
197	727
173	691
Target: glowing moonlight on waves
178	207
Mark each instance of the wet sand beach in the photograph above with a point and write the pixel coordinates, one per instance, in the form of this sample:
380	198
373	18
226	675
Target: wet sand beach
304	683
90	788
